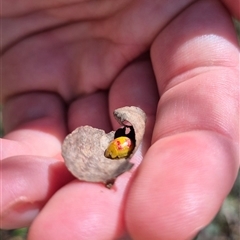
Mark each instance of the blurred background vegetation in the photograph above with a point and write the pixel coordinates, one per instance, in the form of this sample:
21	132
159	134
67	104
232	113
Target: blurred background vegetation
225	226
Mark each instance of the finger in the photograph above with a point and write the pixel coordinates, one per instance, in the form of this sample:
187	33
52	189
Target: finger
233	6
193	162
27	184
34	124
89	210
90	110
136	86
81	211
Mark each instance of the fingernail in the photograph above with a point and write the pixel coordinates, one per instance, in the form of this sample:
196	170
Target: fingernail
19	213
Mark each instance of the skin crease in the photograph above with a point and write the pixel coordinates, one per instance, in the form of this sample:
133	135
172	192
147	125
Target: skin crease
66	64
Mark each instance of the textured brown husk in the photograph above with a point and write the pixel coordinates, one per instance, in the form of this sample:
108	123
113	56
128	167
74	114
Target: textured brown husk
83	149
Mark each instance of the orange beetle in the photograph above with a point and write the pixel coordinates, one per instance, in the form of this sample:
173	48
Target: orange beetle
120	147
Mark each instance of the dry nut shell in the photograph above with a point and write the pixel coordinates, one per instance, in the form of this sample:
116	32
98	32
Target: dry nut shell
83	149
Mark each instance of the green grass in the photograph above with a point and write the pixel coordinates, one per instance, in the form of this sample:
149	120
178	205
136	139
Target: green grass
226	225
16	234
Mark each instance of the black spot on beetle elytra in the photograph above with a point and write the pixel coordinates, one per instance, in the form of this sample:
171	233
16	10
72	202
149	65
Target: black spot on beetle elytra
126	131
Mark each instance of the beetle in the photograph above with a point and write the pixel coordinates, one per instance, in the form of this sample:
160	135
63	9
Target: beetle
120	147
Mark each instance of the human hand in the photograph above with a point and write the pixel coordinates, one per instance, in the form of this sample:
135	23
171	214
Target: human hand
66	63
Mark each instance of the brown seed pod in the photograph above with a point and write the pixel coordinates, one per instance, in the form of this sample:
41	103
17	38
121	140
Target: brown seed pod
83	149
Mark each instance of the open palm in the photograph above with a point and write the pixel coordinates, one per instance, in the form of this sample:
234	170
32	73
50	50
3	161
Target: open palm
71	63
